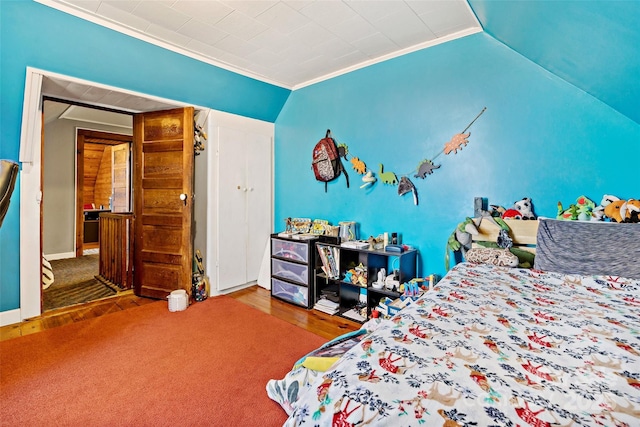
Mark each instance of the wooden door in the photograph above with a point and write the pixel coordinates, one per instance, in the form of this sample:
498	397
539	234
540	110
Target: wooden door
121	175
163	187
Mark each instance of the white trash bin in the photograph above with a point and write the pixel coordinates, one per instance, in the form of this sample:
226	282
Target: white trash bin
178	300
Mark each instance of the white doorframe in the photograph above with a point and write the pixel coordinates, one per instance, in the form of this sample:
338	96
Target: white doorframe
30	191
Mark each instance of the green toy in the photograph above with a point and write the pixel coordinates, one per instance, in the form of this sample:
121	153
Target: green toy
461	238
570	214
585	208
582	210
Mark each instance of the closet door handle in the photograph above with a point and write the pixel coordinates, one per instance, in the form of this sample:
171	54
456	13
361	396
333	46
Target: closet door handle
183	197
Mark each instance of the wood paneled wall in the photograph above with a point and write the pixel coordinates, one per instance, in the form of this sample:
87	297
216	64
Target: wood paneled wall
102	189
97	174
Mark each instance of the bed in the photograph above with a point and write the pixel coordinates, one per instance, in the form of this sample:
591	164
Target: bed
493	346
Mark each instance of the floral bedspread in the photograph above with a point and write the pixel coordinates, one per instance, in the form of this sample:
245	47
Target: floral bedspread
492	346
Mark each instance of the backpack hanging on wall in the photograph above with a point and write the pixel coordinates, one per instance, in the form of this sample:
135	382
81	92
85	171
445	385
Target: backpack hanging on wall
326	164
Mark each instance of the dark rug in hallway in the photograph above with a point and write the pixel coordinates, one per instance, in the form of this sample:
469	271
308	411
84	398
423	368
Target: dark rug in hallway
74	283
75	293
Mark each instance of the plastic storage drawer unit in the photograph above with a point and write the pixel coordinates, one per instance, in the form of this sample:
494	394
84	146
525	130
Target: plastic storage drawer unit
290	292
296	251
290	271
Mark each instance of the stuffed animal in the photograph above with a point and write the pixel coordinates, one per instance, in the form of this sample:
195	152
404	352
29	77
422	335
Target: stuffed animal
525	207
570	214
496	210
585	208
460	239
598	211
633	210
522	209
623	210
511	214
613	210
581	210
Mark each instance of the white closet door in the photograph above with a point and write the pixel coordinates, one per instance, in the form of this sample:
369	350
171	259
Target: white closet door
232	216
258	201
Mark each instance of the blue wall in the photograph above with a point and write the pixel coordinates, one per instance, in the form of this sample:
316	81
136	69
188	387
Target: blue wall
38	36
540	137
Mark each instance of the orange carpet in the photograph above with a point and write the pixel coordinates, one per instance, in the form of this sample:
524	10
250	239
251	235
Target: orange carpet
205	366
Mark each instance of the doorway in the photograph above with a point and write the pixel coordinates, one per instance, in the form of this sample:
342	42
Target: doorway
103	182
86	169
38	84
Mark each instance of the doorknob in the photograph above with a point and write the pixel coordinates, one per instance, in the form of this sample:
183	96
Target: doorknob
183	197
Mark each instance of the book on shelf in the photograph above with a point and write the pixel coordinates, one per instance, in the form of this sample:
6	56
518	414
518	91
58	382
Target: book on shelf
297	236
325	310
354	314
355	244
326	303
330	293
330	257
304	236
326	306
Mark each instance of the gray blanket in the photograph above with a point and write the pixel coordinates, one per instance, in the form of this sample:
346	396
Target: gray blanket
588	248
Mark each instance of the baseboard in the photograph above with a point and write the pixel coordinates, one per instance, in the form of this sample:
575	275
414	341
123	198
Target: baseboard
235	288
10	317
62	255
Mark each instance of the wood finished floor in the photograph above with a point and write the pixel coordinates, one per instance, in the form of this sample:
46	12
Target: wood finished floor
257	297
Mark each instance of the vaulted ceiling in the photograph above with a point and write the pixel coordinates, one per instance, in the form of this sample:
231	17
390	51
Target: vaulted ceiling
590	44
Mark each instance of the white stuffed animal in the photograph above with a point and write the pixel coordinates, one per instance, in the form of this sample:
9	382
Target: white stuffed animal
525	207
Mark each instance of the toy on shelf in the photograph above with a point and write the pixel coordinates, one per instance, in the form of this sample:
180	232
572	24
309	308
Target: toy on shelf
611	208
598	211
376	242
581	210
569	214
623	211
319	226
357	275
585	208
522	209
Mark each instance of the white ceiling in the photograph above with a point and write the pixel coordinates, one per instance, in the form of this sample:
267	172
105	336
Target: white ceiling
289	43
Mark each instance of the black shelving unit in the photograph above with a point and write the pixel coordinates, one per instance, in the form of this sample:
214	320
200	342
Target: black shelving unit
348	294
